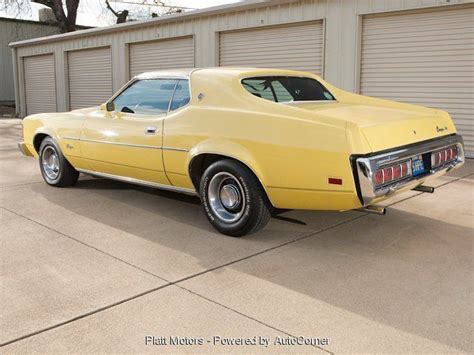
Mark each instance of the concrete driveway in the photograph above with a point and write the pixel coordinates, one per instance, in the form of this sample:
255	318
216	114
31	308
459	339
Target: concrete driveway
101	266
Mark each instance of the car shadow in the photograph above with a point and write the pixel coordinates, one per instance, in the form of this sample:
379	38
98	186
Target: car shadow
406	271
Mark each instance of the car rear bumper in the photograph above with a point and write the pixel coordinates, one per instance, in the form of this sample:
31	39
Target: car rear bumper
24	149
365	166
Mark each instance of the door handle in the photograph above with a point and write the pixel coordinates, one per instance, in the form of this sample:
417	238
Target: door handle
151	130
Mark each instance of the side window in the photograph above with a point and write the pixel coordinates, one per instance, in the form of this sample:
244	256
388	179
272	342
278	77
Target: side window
147	97
259	88
181	95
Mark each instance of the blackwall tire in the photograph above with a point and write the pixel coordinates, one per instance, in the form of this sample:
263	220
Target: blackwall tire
55	169
233	199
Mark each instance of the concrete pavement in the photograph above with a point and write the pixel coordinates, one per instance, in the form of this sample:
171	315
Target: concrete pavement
98	267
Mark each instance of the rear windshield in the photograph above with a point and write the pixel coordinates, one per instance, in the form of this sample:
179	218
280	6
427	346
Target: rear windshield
287	88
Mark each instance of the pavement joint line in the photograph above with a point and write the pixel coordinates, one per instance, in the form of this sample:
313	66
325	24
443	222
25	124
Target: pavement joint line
246	316
85	244
175	283
313	233
87	314
25	184
440	186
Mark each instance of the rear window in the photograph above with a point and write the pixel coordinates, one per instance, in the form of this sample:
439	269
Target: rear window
287	89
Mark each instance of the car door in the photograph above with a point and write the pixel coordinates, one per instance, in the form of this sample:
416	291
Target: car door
127	140
180	135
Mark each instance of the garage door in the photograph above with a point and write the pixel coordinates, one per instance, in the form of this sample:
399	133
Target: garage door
299	47
157	55
90	77
423	58
40	85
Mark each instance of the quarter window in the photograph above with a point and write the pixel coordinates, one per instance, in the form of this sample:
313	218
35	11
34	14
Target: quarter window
181	95
147	97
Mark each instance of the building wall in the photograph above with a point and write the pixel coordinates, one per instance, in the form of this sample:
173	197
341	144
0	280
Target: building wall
11	31
342	37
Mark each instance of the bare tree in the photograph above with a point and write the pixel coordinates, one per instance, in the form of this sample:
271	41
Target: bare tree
121	15
65	11
65	21
137	9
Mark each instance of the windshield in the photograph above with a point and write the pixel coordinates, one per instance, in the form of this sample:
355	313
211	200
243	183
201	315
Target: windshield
287	89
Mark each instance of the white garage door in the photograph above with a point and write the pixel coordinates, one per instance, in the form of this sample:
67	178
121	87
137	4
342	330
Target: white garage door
165	54
40	85
423	58
299	47
90	77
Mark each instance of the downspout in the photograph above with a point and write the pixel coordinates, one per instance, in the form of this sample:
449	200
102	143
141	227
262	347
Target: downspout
15	81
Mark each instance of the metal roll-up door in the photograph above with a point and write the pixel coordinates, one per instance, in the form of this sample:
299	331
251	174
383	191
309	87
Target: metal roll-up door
90	77
157	55
423	57
40	84
299	47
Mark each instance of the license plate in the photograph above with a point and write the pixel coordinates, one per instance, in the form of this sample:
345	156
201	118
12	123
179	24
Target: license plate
417	165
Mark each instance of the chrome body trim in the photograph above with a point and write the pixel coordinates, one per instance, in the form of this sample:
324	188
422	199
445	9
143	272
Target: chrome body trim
120	143
365	167
140	182
127	144
175	149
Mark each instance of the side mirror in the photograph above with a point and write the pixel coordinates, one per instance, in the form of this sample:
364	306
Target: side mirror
110	106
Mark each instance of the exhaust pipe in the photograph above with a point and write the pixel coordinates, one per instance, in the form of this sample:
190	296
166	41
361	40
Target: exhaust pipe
380	210
422	188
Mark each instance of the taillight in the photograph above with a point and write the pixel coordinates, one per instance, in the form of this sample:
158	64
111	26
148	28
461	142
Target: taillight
392	173
443	156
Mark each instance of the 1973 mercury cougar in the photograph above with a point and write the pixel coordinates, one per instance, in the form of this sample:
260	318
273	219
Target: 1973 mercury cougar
248	142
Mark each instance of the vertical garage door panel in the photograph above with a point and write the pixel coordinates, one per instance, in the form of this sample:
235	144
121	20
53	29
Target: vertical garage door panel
90	77
299	47
40	85
165	54
423	58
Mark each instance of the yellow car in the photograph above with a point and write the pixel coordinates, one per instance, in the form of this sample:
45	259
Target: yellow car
249	142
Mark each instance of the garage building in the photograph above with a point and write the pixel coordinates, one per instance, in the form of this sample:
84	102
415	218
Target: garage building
419	51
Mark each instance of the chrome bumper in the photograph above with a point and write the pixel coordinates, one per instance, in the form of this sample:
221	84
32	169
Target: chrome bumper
24	149
365	166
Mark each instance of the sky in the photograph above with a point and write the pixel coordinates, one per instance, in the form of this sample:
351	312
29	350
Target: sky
95	13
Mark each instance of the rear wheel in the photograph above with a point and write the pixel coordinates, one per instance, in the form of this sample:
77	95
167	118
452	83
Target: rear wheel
233	199
56	170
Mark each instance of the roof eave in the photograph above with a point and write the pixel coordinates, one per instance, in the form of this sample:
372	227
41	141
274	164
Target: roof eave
240	6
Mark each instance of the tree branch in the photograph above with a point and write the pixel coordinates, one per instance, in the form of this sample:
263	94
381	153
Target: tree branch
110	8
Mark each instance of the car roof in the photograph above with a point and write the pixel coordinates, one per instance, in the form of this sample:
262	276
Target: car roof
233	71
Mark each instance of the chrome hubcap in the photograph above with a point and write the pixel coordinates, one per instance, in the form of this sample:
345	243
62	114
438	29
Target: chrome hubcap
226	197
229	196
50	161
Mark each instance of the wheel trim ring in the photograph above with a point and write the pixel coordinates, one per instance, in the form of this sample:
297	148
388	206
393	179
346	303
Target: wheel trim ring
214	197
50	162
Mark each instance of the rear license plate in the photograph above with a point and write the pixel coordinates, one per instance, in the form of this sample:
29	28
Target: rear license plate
417	165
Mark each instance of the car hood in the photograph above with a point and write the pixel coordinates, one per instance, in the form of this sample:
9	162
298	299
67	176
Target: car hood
386	127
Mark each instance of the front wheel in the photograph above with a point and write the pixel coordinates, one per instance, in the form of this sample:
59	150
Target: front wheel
233	199
56	170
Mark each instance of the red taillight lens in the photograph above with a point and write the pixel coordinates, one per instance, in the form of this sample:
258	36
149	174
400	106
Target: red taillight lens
443	156
392	173
378	177
397	172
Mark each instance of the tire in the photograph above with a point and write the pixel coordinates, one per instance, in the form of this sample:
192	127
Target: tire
56	170
233	199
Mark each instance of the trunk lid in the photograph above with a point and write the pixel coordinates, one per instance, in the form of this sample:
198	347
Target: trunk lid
386	127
